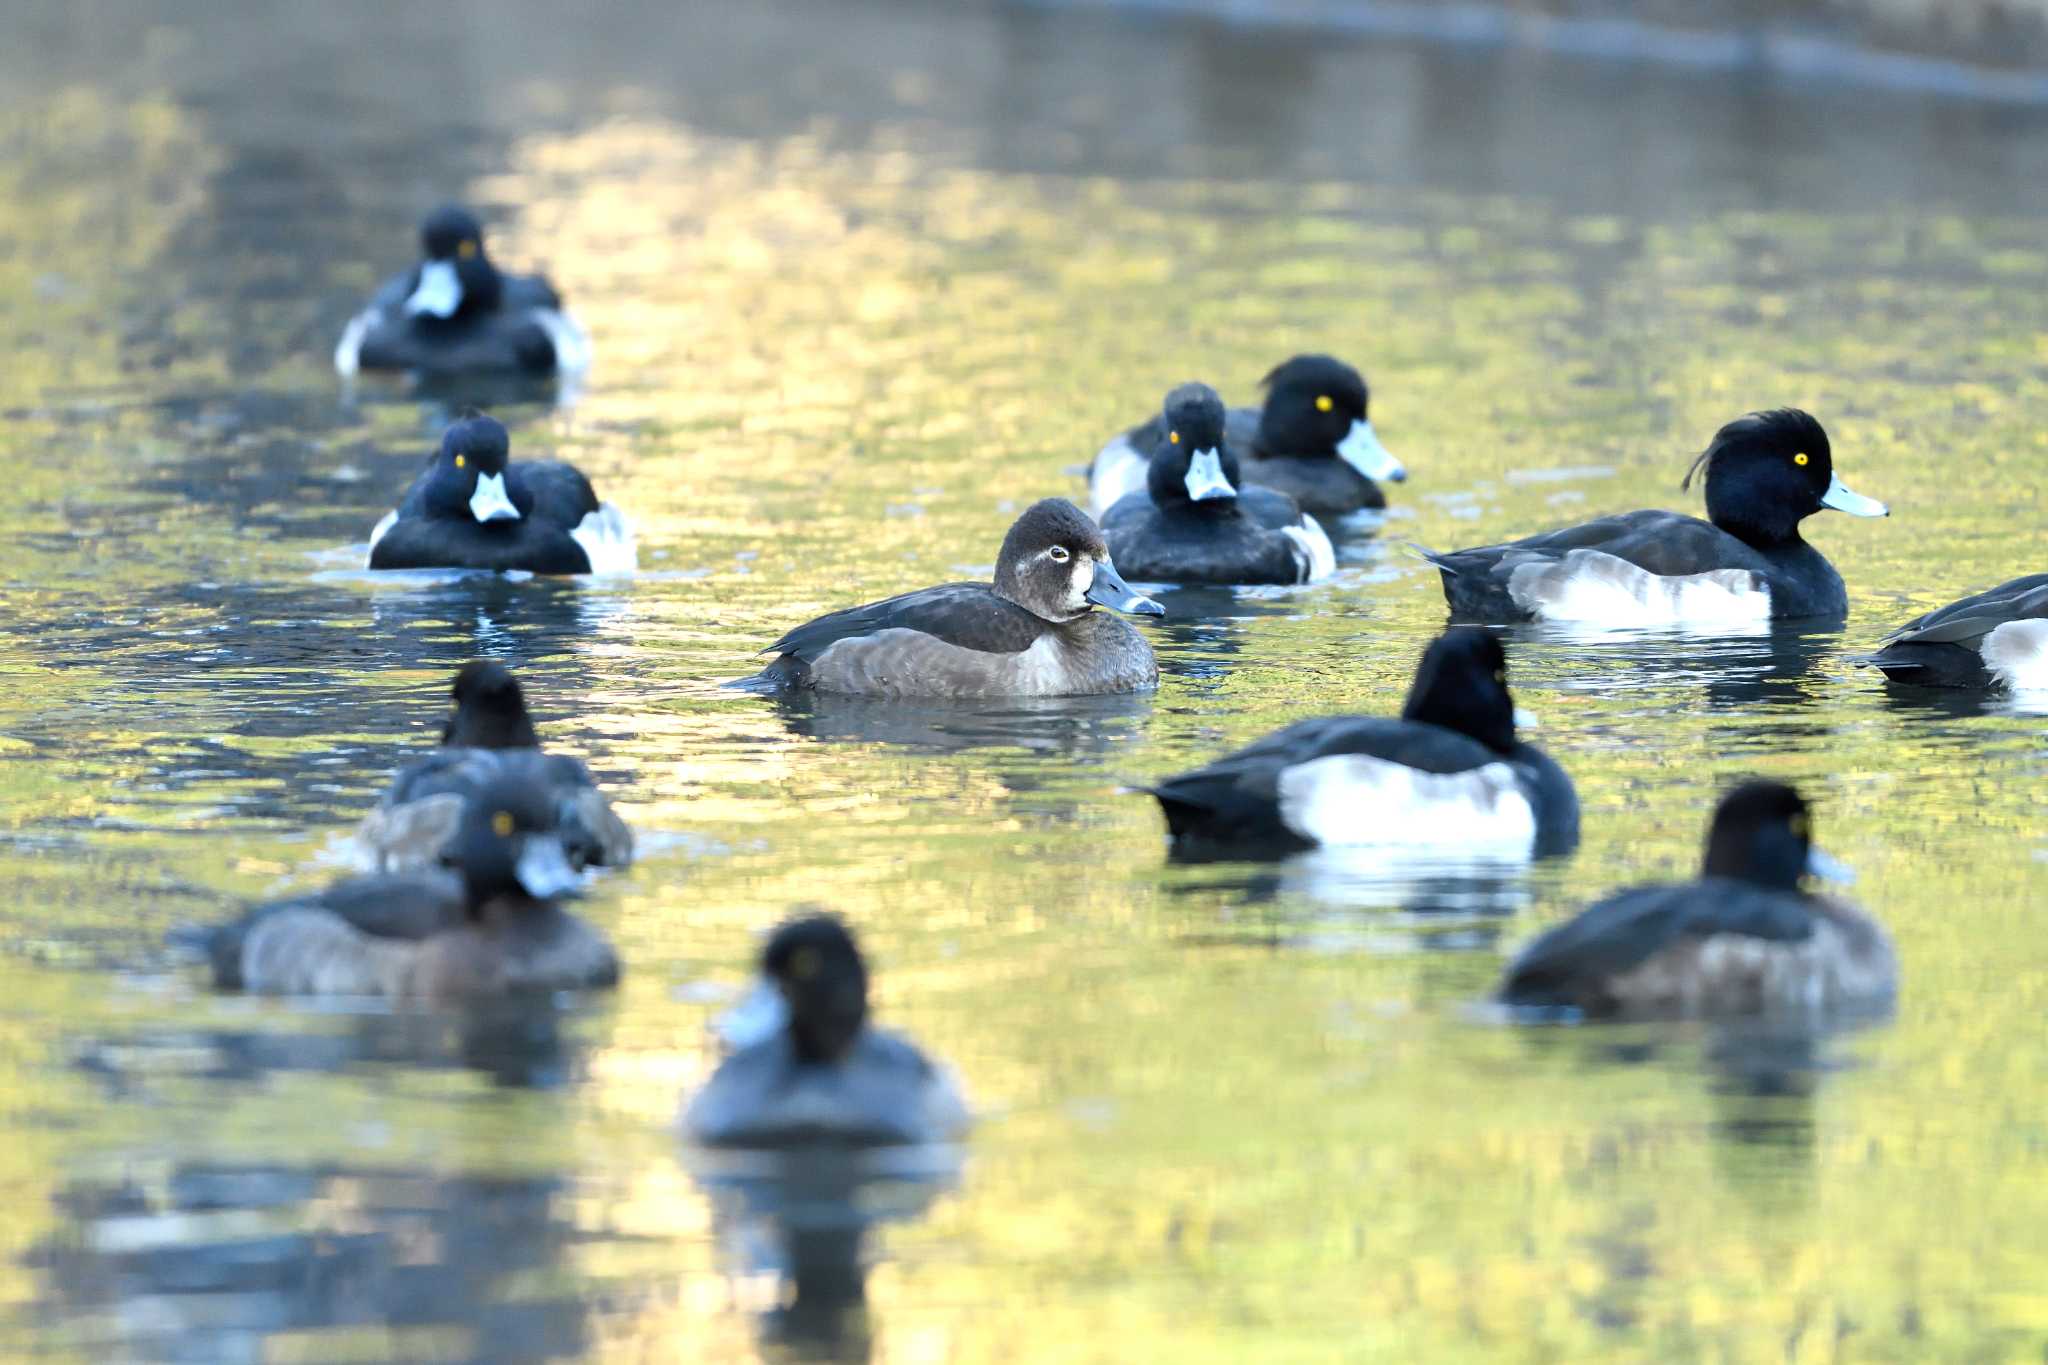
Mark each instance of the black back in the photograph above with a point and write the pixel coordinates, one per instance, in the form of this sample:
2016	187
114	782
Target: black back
1756	853
1573	964
969	615
410	906
1459	716
1942	648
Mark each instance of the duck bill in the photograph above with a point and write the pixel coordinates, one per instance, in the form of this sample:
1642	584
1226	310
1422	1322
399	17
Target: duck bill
1819	864
1361	449
491	502
760	1015
439	292
1109	590
1841	499
1205	481
543	869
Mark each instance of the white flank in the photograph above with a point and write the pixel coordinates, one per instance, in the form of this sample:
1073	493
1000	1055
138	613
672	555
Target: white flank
1118	469
607	537
1314	543
2017	654
1350	799
348	352
1591	587
439	291
377	532
571	342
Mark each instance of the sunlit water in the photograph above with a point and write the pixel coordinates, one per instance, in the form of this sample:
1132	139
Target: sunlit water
862	283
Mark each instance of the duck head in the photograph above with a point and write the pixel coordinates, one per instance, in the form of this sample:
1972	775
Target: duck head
1055	564
507	847
490	710
1316	406
469	476
1192	467
1765	472
455	276
1763	834
1462	685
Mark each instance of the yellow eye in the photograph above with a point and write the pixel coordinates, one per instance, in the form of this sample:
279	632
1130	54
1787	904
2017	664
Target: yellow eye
465	250
1173	436
1500	675
462	462
1800	459
1800	824
1324	403
501	824
804	964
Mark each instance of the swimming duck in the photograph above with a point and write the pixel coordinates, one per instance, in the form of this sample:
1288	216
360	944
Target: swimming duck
1031	633
489	737
1742	939
1312	441
810	1068
1999	638
1449	774
473	507
456	312
1194	522
486	923
1764	473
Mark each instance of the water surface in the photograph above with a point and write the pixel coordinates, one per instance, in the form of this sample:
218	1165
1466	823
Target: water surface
863	281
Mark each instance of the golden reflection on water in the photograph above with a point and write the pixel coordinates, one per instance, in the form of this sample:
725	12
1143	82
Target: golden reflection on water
1216	1129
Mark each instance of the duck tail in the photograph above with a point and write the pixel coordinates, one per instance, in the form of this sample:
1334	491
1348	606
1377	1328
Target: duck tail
1437	557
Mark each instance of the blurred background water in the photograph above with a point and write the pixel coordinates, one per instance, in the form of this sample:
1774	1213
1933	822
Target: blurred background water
863	280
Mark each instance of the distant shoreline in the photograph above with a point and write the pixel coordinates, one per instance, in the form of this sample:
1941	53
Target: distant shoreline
1929	47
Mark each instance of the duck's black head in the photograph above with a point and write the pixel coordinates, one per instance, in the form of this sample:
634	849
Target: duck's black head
455	275
507	846
1763	833
1462	685
1765	472
1316	407
468	476
1191	466
1054	563
490	710
818	970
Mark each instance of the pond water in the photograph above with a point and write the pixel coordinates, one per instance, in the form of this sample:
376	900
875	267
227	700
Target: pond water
863	280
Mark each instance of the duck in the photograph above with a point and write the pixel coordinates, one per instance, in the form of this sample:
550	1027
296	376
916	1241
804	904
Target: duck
1033	632
1995	640
488	736
1195	522
810	1069
487	922
1744	938
457	313
1312	440
1746	565
474	507
1448	774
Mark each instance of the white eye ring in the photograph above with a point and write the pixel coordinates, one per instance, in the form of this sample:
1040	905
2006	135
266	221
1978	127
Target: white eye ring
1059	554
